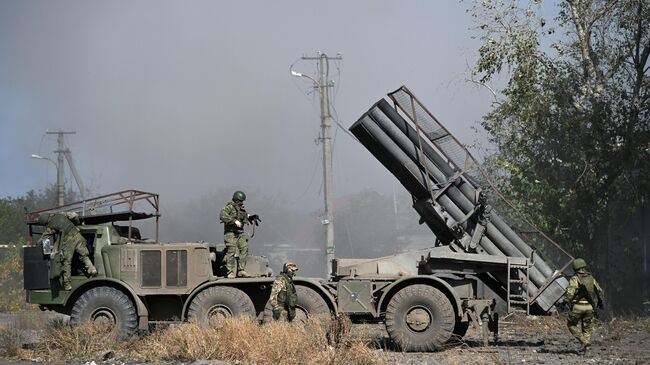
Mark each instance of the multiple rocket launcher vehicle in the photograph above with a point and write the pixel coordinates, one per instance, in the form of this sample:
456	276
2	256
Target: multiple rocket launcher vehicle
477	267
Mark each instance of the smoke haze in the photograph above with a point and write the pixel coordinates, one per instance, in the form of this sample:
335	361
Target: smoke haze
186	99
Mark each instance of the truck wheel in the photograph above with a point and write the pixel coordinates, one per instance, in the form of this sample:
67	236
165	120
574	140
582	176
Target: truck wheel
106	305
420	318
218	302
310	303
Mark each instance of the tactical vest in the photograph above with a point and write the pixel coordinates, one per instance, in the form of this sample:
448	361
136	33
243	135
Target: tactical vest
238	213
288	297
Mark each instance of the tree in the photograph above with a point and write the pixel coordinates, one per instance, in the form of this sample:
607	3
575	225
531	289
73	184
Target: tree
571	126
12	211
11	278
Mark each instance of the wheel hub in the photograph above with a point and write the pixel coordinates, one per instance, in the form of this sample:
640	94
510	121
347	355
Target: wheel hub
418	319
219	312
104	316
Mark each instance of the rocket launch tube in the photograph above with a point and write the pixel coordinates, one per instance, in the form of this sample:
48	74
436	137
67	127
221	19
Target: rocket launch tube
452	200
391	156
497	226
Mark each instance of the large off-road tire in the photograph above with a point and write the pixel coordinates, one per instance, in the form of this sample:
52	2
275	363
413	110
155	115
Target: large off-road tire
219	302
310	303
108	306
420	318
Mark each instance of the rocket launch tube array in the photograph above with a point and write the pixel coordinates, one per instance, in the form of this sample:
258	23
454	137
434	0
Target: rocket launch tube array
396	144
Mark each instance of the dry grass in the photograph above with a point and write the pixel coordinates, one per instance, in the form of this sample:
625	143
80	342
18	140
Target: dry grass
61	341
319	341
237	340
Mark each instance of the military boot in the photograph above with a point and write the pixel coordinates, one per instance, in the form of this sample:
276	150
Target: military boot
243	274
92	271
90	268
67	280
586	349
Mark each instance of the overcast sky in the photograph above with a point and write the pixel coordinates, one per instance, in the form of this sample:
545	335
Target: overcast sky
183	98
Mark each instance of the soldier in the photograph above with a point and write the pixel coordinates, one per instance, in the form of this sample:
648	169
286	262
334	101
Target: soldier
581	292
234	216
283	294
71	241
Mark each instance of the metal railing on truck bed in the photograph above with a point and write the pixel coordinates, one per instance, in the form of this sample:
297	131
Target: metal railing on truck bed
122	206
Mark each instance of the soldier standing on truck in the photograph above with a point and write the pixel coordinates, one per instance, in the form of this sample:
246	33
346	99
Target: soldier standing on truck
234	216
72	241
580	293
283	294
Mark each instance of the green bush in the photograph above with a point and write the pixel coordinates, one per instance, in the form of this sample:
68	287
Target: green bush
11	279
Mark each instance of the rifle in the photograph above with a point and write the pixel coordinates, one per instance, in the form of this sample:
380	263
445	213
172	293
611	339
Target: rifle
584	293
254	220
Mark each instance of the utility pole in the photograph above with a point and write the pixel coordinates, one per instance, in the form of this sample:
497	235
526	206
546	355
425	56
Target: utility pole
60	183
323	84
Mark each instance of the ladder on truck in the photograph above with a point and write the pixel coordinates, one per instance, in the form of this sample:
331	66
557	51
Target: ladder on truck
517	287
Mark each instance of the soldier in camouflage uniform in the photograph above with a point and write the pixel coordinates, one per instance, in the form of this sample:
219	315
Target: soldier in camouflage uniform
283	294
234	216
582	292
65	224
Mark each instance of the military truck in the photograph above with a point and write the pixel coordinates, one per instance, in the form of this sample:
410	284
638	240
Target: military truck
477	267
141	281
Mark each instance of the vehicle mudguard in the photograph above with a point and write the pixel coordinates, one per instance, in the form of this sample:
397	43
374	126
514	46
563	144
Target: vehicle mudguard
316	285
142	311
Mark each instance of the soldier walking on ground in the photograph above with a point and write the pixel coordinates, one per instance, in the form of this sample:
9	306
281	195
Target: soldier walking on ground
72	241
283	294
582	293
234	216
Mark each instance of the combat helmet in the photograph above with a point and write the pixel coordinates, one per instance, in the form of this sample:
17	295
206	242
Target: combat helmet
238	196
579	264
289	266
42	219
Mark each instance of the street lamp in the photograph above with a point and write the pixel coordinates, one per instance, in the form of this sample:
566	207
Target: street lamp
39	157
298	74
59	177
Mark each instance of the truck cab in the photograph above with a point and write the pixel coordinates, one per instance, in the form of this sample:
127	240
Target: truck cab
139	280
